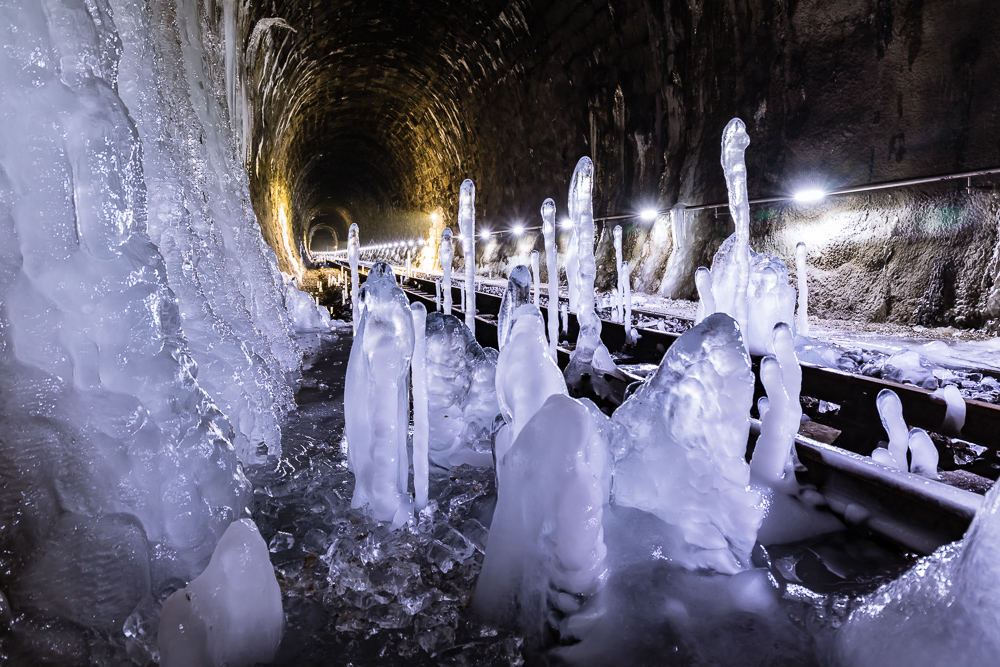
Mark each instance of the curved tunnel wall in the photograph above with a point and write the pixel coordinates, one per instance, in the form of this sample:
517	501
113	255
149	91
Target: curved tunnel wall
381	109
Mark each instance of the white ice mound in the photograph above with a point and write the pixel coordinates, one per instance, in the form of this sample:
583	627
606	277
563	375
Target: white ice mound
305	313
231	613
684	457
517	294
526	375
944	607
546	546
376	399
461	395
770	297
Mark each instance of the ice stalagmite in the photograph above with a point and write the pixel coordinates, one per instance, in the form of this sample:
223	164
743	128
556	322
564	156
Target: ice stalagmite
954	418
802	324
447	256
526	374
781	376
706	299
730	288
626	286
536	279
552	268
376	399
418	380
517	294
890	409
546	546
683	459
572	256
620	290
923	454
353	255
467	225
230	615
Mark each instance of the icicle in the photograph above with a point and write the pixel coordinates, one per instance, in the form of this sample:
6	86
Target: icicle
706	298
536	278
620	291
890	409
552	266
581	201
734	144
781	376
625	277
353	251
467	225
421	429
800	267
447	256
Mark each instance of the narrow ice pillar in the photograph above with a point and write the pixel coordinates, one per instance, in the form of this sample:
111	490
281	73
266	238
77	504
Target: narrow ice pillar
437	295
781	376
421	428
626	285
353	254
734	144
552	266
581	198
517	294
537	280
447	256
706	298
565	319
800	268
890	410
467	225
620	292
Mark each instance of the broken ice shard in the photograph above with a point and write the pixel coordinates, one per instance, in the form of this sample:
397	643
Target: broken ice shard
683	459
376	399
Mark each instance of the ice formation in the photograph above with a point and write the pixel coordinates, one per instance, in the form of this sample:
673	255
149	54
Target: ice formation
619	289
447	256
467	225
546	548
625	277
802	325
706	298
525	356
230	615
683	459
923	453
781	376
942	611
551	267
305	314
376	399
517	294
418	381
353	255
461	395
890	410
954	418
536	279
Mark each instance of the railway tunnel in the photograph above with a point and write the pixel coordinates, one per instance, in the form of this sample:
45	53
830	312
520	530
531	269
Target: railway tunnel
186	404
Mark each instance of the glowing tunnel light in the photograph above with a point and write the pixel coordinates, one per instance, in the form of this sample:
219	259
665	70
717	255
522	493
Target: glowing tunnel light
518	229
566	223
648	214
809	196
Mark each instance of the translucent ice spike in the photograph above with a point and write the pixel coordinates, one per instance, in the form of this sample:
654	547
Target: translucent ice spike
706	298
734	144
890	409
800	267
923	454
418	380
551	265
353	253
437	295
954	418
467	225
517	294
537	280
781	376
581	198
447	255
626	285
618	268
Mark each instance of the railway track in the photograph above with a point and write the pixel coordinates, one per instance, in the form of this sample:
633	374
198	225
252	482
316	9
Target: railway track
914	512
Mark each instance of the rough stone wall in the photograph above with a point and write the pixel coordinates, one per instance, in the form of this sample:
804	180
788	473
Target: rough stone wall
369	106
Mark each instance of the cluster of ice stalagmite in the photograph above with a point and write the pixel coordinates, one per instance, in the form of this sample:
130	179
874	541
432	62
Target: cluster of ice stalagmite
140	308
683	457
751	287
923	454
230	615
462	402
546	544
517	294
447	257
549	236
376	399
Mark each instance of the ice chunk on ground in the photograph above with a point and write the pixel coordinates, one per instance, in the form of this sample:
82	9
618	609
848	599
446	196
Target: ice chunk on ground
909	368
230	615
461	396
546	548
517	294
376	399
526	375
305	313
683	459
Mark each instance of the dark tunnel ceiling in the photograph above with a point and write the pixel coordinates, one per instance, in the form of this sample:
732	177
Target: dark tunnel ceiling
375	111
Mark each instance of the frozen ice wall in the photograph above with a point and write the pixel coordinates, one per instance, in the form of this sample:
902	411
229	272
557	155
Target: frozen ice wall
116	464
225	278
